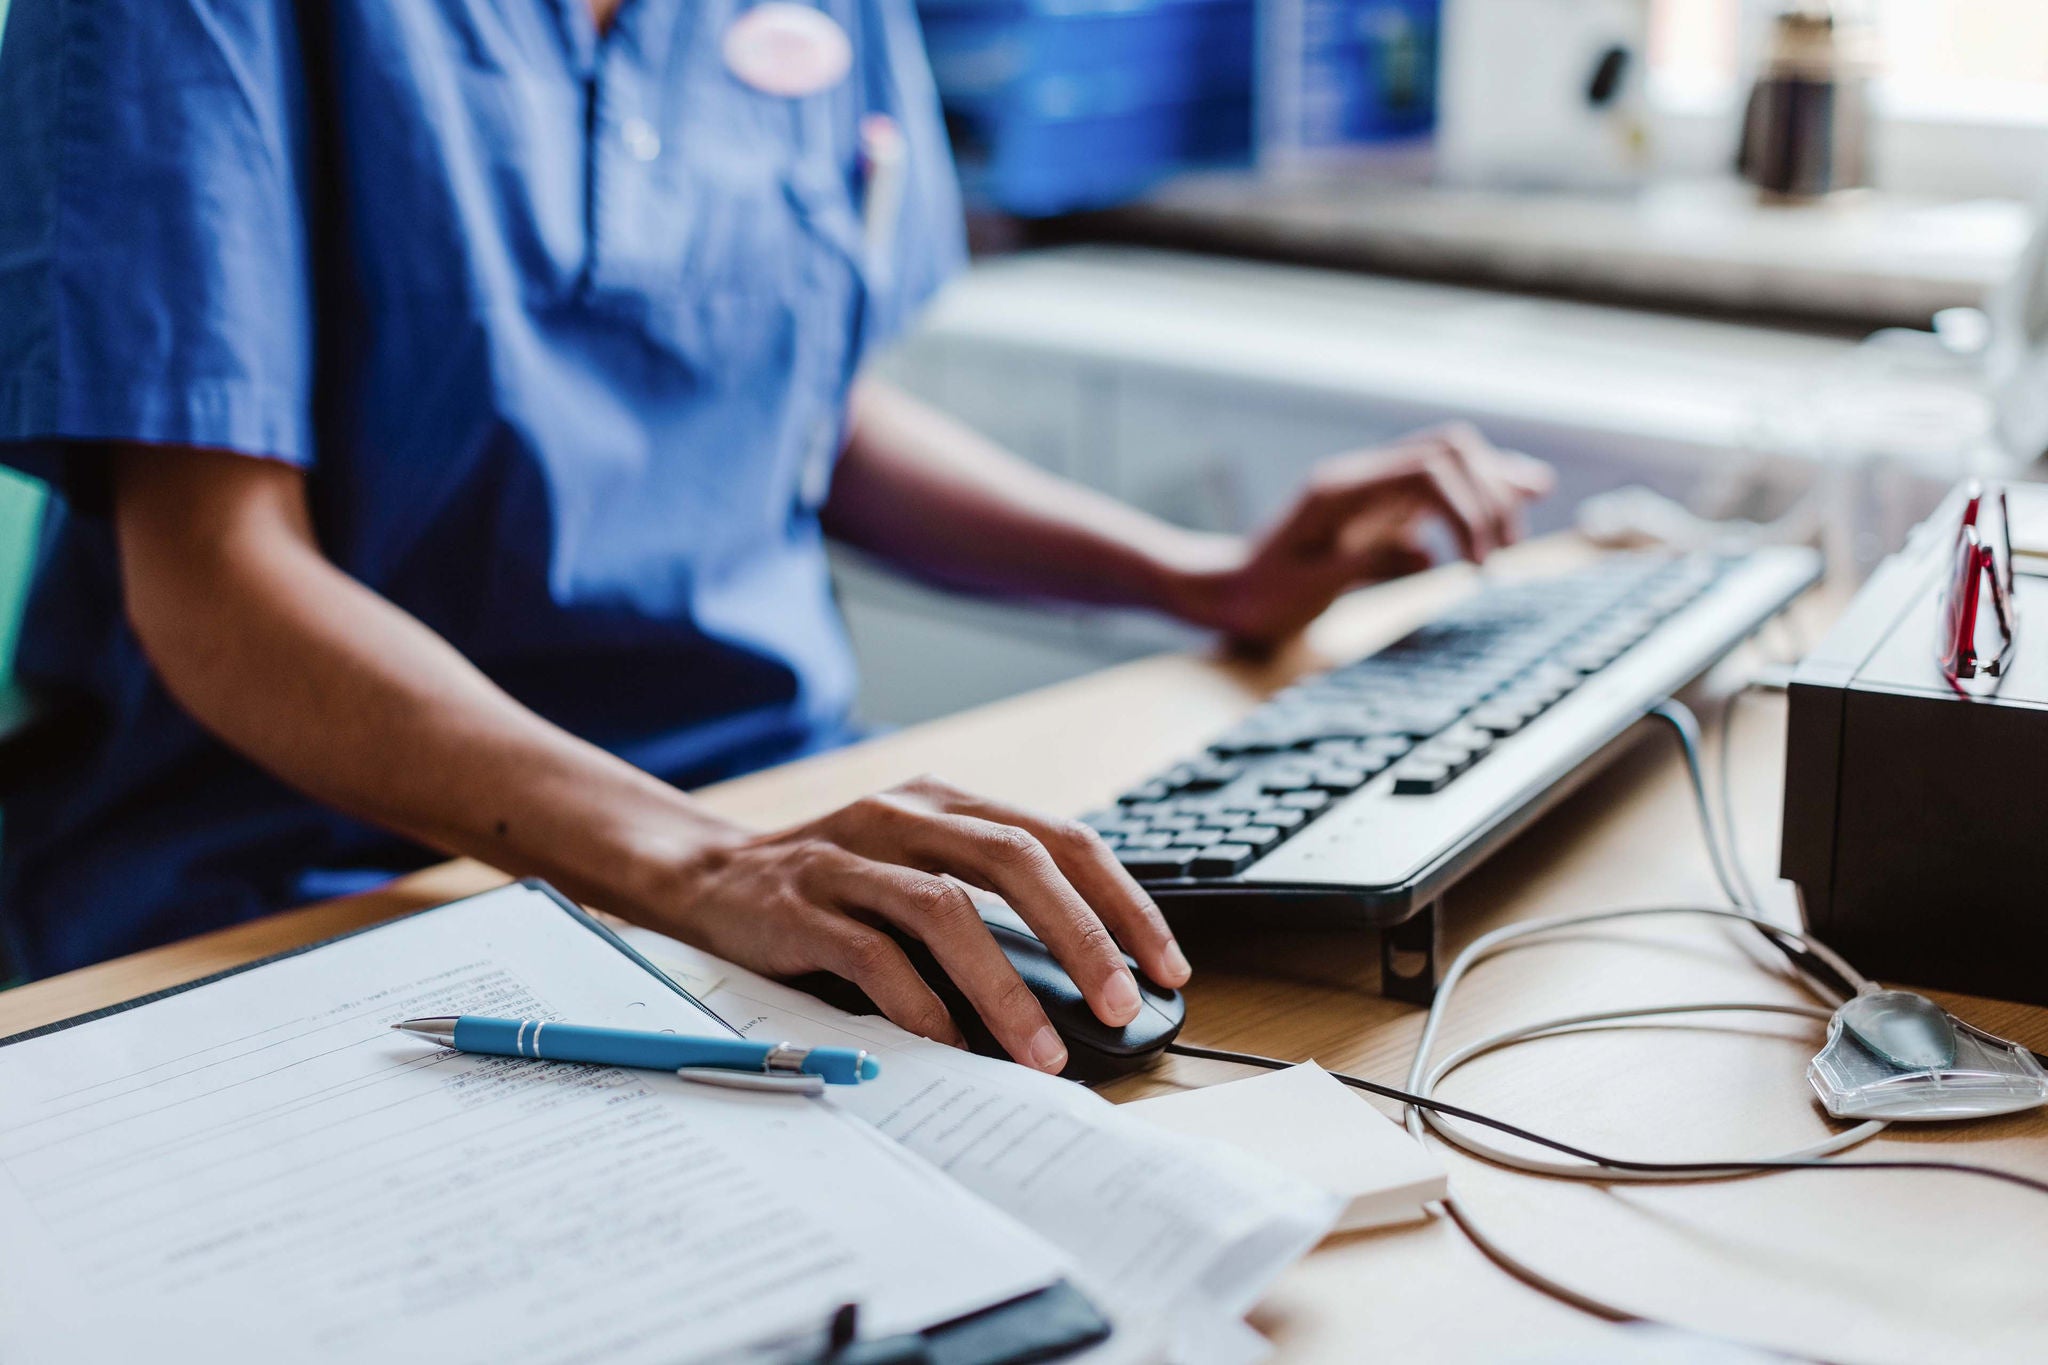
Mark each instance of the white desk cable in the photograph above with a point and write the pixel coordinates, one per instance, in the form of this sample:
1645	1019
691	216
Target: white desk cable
1724	783
1423	1077
1816	967
1820	970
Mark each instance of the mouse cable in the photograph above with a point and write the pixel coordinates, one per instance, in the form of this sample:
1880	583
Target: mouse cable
1820	970
1493	1250
1824	972
1698	1169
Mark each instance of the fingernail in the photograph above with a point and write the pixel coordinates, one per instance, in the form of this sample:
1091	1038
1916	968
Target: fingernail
1047	1054
1121	994
1177	968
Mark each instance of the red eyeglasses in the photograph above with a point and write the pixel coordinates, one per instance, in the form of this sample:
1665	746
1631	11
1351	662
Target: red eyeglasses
1976	563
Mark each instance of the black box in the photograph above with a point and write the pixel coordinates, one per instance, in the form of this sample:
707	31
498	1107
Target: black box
1916	817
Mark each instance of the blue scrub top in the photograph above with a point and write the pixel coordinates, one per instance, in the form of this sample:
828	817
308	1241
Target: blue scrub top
560	326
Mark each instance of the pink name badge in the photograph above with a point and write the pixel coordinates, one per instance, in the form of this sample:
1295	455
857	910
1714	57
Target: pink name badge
783	48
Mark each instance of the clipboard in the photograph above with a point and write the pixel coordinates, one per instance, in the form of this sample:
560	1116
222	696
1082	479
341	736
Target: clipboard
1054	1322
1041	1326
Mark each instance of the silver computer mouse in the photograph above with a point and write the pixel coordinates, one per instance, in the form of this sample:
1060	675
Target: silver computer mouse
1909	1031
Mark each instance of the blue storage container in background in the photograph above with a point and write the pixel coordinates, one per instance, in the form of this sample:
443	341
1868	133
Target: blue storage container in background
1060	105
1338	74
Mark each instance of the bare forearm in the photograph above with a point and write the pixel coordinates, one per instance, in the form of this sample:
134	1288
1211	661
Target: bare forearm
942	502
348	698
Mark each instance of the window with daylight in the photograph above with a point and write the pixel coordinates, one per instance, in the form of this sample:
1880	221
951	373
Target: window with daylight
1969	57
1961	91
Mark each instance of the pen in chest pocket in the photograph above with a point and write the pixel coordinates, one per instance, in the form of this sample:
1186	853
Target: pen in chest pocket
882	158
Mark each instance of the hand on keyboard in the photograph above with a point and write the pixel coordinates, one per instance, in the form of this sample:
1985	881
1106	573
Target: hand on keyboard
1429	707
1357	522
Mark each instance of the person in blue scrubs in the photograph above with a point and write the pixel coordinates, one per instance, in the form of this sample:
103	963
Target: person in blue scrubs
448	402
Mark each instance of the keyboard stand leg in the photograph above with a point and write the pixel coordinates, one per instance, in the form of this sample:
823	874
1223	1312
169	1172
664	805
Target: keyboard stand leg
1408	956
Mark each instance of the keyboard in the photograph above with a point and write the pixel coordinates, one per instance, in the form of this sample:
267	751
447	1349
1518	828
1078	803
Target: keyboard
1361	794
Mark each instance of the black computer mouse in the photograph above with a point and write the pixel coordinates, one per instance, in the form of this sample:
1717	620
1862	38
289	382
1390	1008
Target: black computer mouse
1095	1051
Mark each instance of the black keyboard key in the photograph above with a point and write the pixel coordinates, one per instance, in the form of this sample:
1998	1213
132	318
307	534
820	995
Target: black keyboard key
1212	774
1369	754
1418	776
1372	765
1423	721
1258	837
1283	818
1158	864
1593	653
1473	739
1338	778
1549	682
1452	759
1250	742
1280	782
1221	860
1527	704
1145	795
1137	842
1501	718
1308	801
1393	729
1208	834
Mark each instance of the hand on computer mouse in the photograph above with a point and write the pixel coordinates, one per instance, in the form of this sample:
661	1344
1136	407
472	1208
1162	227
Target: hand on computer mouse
1357	521
813	898
1095	1051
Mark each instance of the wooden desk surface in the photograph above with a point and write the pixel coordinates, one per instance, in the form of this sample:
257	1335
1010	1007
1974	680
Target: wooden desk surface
1877	1268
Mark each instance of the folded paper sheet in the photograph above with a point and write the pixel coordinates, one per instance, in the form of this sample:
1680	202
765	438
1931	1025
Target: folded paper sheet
1174	1237
1305	1122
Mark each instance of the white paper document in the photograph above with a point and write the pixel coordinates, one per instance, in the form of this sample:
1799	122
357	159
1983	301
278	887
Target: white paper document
1171	1235
259	1169
1305	1122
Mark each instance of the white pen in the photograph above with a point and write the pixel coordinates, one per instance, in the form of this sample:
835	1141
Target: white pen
884	157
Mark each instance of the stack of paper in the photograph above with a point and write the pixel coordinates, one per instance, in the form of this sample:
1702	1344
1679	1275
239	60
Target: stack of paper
1306	1123
1175	1237
261	1170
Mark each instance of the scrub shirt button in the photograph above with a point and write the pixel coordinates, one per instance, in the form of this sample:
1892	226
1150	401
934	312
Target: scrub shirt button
641	139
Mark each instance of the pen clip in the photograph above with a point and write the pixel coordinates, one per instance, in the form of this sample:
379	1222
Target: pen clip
786	1083
883	153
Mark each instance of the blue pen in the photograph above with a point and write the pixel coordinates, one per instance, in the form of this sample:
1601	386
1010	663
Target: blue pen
735	1062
